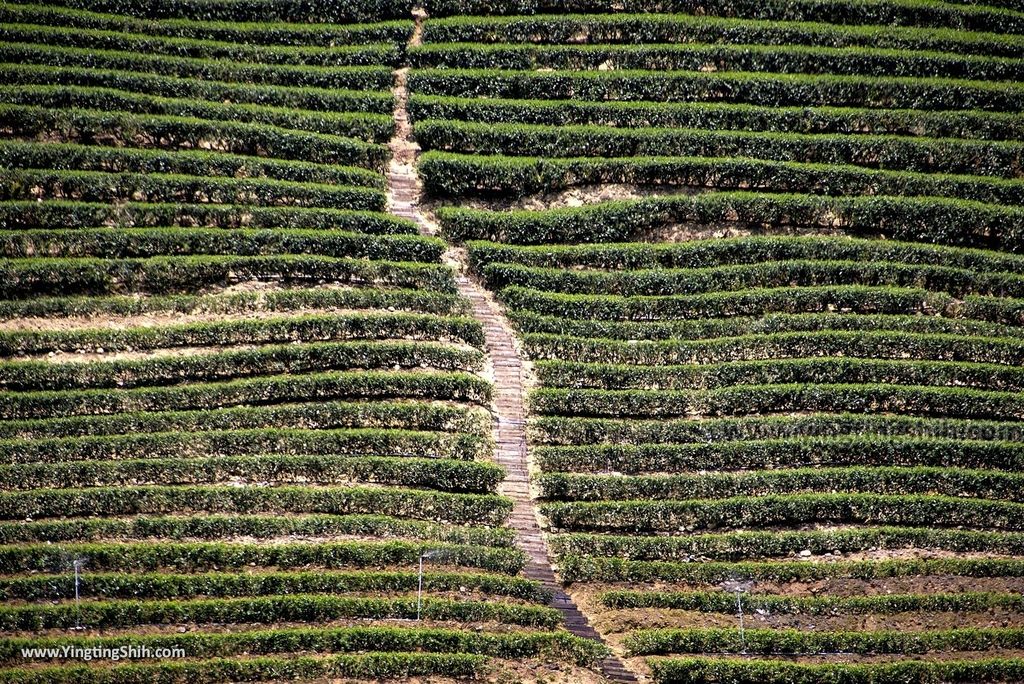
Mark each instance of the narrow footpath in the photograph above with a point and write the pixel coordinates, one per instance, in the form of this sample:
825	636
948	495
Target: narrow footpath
510	429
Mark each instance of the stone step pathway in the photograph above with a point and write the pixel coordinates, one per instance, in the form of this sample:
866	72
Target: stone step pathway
510	428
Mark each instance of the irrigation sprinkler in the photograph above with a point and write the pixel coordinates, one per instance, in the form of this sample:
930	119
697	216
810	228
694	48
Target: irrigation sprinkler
739	588
419	592
77	564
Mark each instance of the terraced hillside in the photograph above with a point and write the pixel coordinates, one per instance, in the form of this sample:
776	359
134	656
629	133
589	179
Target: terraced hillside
765	259
242	400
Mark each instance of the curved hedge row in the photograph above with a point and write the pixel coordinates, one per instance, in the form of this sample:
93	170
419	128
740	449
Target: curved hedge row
223	585
251	391
204	69
134	243
693	670
270	360
239	137
725	602
745	250
197	556
64	451
361	54
941	402
697	56
776	371
102	186
882	448
638	25
577	431
898	153
457	175
371	325
336	11
587	569
383	414
885	480
70	156
366	78
317	608
220	526
672	515
280	300
355	117
263	32
513	645
418	504
968	124
774	274
27	278
740	87
723	548
797	345
786	641
443	474
62	215
364	666
924	219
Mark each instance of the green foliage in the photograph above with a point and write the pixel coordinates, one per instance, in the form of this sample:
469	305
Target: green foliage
60	156
732	86
724	548
511	645
100	186
765	511
434	506
457	175
940	402
687	670
925	219
590	569
25	278
798	449
262	32
367	53
579	431
150	242
351	118
806	309
261	391
367	77
374	325
903	13
969	124
784	641
279	300
268	610
398	666
778	371
357	78
337	11
697	56
227	584
772	274
443	474
184	132
57	214
200	556
902	153
795	345
320	415
886	480
725	602
265	360
218	526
